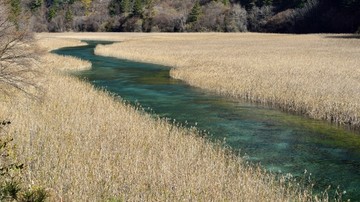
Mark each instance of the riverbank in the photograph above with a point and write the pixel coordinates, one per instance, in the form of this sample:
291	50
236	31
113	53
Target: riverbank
83	144
312	75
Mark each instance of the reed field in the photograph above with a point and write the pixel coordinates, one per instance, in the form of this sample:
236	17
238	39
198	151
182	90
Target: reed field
313	75
83	144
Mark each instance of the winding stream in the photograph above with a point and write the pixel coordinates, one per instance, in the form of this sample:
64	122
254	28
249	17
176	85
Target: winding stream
281	142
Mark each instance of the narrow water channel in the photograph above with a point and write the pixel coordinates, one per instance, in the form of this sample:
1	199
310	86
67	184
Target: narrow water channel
281	142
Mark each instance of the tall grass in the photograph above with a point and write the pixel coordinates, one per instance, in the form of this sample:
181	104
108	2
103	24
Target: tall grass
52	43
86	145
313	75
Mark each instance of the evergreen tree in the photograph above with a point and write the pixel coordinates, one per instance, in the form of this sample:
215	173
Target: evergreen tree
138	8
195	12
15	6
51	13
113	8
35	4
125	6
267	2
68	15
226	2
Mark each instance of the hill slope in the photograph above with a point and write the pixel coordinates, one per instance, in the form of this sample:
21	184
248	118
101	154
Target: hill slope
284	16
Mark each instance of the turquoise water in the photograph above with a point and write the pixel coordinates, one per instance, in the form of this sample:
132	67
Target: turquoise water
279	141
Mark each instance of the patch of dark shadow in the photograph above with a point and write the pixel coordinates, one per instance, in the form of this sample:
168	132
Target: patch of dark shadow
229	116
344	36
269	124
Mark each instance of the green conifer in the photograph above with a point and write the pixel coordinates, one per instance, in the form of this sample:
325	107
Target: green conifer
267	2
15	6
195	12
125	6
138	7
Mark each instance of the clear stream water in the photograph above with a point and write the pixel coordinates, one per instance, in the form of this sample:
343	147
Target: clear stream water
281	142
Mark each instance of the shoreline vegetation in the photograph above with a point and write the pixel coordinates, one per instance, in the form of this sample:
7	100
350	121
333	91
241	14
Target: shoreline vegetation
271	16
312	75
82	144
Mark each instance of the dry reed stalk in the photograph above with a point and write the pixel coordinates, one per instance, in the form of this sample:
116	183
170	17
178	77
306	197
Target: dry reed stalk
84	145
314	75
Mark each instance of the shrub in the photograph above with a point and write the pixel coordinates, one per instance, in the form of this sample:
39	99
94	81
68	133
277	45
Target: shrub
10	181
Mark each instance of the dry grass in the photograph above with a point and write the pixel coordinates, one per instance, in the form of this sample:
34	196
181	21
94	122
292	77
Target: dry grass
61	63
52	43
84	145
314	75
75	37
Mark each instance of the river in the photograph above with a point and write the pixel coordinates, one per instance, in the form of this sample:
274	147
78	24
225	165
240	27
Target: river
280	142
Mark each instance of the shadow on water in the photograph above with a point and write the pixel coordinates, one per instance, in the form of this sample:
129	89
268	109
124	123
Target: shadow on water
281	142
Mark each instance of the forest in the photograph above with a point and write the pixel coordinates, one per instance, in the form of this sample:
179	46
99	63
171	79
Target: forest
277	16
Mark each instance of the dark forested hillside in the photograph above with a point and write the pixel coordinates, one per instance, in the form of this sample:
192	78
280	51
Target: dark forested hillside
285	16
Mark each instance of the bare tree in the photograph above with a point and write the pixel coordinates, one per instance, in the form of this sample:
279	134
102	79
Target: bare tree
17	54
236	19
212	18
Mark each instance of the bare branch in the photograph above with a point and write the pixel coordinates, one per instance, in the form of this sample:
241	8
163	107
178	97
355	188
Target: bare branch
17	54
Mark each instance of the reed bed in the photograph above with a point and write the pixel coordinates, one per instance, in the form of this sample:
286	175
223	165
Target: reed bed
52	43
83	144
314	75
75	36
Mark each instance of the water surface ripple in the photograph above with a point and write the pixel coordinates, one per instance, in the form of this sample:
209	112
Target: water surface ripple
281	142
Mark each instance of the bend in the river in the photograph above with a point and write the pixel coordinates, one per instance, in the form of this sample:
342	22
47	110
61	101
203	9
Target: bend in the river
281	142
